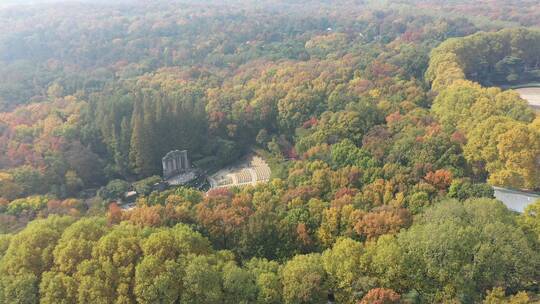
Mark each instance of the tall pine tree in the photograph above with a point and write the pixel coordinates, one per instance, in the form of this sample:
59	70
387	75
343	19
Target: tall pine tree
141	153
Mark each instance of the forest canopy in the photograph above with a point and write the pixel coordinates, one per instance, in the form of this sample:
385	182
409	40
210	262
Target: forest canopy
506	57
381	122
502	134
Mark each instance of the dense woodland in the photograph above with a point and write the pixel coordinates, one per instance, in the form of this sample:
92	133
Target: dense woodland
380	121
500	130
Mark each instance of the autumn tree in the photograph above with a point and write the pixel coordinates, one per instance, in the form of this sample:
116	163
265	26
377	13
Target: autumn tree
380	221
381	296
222	215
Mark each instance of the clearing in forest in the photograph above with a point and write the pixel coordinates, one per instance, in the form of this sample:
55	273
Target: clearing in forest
250	171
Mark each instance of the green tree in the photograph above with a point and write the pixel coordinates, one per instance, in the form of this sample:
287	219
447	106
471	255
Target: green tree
30	179
77	243
95	283
31	250
158	281
73	183
464	249
266	273
5	240
57	287
463	189
529	220
110	274
19	289
202	281
345	153
114	189
297	107
343	264
239	285
141	157
304	280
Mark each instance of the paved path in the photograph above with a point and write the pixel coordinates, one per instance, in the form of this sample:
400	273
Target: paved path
515	200
532	95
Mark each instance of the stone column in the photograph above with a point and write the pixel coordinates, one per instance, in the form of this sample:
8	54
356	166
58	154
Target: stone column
181	161
186	161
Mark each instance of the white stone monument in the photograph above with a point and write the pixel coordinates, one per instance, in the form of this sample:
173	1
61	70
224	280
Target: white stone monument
174	163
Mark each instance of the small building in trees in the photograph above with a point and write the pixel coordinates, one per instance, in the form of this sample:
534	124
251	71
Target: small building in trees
177	169
174	163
